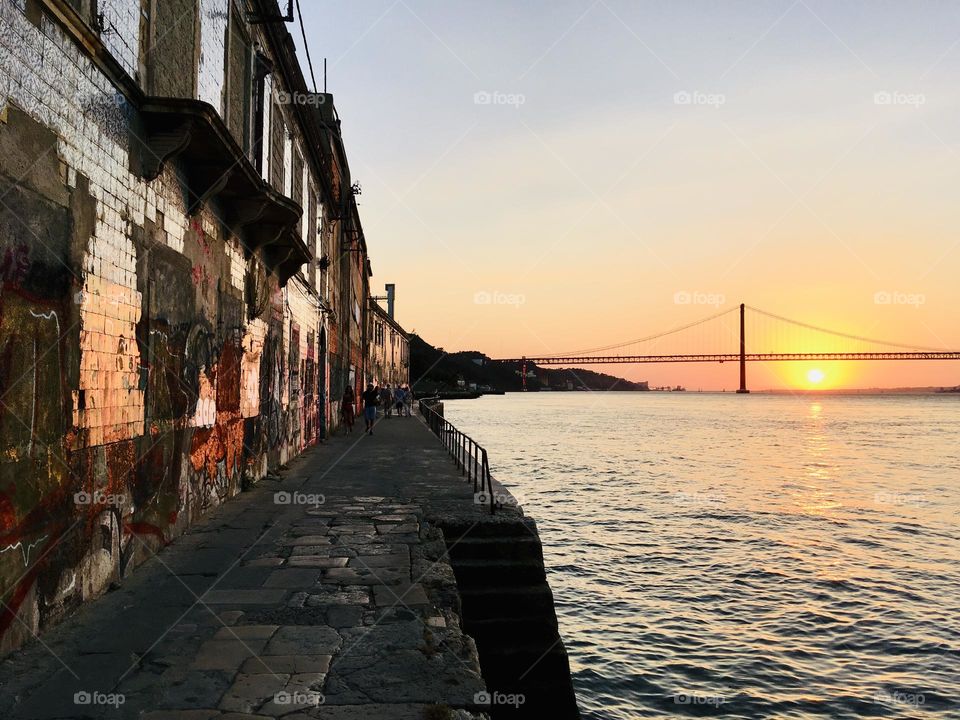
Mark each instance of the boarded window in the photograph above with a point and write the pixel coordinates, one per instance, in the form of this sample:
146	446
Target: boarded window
238	82
312	237
172	60
277	140
296	188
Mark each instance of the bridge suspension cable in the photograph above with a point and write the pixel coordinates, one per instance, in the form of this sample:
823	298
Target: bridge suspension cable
765	336
648	338
847	336
789	340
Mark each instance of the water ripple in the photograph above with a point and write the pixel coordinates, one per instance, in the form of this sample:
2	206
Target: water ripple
782	565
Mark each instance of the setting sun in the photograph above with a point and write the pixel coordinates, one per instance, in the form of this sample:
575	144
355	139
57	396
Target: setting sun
815	376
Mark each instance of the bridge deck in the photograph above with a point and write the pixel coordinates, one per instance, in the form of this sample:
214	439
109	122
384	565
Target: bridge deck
730	357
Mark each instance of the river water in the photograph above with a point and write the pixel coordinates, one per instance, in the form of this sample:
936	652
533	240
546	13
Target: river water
761	556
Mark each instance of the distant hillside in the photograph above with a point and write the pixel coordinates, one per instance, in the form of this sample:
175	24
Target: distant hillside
433	369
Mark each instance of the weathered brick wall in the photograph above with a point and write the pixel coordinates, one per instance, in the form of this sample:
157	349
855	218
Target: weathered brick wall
174	40
303	410
148	367
121	23
213	33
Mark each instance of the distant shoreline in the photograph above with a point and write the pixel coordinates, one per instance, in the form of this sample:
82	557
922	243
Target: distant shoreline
835	391
867	391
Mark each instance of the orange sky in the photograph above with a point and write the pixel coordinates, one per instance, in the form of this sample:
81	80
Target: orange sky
579	168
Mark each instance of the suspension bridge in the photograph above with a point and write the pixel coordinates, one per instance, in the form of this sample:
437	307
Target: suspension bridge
771	338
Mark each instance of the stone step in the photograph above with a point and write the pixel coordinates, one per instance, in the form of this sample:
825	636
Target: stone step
525	666
497	572
456	530
515	602
532	700
536	632
487	548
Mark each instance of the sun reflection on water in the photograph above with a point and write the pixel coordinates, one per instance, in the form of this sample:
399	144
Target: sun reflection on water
815	496
810	541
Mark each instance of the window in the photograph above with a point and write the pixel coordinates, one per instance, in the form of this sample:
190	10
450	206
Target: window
263	88
238	81
288	182
278	143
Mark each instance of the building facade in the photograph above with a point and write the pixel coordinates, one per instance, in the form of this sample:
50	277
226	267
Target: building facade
389	345
183	280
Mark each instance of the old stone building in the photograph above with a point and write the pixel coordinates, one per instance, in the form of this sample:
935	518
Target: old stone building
183	280
388	343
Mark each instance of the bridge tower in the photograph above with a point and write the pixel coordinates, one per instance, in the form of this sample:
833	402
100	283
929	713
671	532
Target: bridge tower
523	373
743	354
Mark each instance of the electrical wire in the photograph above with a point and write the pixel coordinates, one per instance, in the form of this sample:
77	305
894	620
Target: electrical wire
306	47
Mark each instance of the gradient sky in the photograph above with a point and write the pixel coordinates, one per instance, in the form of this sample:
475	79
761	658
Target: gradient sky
589	192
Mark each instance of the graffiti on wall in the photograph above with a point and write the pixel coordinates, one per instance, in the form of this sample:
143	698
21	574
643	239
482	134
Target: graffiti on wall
127	411
151	366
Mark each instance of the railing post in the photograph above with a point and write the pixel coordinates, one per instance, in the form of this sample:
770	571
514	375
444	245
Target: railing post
486	472
467	452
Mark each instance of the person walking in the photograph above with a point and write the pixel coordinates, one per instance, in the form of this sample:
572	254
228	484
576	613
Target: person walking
347	409
386	399
398	400
408	399
371	398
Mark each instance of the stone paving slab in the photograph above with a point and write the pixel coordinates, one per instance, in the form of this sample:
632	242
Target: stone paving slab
340	611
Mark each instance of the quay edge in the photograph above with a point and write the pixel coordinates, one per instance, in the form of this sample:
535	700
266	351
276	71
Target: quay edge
507	607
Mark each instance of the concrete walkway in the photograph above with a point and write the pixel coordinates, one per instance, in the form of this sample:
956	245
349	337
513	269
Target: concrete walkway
325	594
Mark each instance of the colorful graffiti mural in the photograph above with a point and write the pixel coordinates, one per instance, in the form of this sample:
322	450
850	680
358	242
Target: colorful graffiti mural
127	411
181	286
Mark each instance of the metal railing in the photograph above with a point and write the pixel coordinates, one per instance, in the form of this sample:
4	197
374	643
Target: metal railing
471	457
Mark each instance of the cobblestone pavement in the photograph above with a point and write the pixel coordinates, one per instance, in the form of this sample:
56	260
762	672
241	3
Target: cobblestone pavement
324	594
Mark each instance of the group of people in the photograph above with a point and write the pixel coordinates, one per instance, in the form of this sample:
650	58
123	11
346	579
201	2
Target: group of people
399	398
